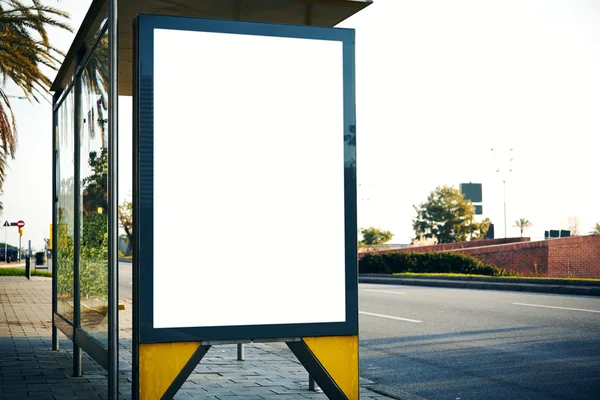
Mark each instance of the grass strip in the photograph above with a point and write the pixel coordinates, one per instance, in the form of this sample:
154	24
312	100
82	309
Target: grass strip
439	274
21	272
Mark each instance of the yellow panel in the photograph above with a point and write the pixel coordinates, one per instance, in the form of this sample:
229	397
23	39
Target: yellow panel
160	363
339	356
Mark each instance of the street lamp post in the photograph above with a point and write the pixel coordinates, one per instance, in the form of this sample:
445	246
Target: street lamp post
504	189
505	170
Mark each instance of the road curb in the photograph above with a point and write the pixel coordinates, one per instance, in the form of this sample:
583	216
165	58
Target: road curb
591	290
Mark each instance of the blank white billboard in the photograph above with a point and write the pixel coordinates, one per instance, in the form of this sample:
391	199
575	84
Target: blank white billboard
248	180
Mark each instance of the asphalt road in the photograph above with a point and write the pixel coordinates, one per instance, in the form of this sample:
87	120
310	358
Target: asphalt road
459	344
125	280
437	343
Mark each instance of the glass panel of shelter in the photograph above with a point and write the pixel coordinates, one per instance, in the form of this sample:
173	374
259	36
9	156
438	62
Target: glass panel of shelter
66	206
93	281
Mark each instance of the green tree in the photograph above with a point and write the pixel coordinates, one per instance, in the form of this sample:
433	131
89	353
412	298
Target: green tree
126	220
596	230
95	186
448	217
374	236
24	51
523	224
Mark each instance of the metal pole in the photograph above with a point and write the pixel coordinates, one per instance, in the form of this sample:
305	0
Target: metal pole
27	261
504	183
240	351
312	385
55	341
135	376
19	247
77	218
113	200
5	244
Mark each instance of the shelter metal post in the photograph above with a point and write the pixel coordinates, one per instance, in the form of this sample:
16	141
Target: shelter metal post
135	375
113	224
77	217
55	341
240	352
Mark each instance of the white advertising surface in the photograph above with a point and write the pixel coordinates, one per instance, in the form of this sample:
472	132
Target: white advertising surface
248	180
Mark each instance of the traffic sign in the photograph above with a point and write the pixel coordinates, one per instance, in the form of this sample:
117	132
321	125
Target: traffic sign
20	223
6	224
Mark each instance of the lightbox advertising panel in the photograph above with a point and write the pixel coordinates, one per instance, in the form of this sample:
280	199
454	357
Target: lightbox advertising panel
248	213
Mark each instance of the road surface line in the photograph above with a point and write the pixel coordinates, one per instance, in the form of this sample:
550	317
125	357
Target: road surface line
389	317
559	308
381	291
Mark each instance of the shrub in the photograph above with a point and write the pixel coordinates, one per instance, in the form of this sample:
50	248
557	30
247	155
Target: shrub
431	262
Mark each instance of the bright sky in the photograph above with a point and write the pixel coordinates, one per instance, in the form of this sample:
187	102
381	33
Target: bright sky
439	84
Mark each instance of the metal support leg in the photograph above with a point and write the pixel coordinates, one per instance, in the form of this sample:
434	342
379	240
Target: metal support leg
185	372
55	341
312	385
77	360
240	351
316	370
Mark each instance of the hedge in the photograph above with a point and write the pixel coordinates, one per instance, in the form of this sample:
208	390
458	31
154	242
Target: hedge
431	262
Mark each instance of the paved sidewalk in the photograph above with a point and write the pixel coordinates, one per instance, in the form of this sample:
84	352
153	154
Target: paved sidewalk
29	369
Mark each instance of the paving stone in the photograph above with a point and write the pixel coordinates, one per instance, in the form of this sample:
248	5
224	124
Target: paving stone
29	369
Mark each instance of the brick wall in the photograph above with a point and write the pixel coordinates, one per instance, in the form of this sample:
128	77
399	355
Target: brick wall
526	258
577	257
452	246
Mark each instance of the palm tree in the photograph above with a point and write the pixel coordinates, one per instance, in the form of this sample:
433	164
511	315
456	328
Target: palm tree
522	224
95	82
24	50
596	230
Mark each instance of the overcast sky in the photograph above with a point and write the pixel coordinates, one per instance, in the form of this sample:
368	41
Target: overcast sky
439	84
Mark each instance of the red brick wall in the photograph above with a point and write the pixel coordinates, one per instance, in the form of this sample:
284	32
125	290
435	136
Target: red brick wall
527	259
452	246
577	257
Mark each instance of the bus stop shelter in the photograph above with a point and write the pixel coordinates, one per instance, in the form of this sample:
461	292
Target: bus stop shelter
276	83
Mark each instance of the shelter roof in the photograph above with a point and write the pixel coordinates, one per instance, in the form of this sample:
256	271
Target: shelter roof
299	12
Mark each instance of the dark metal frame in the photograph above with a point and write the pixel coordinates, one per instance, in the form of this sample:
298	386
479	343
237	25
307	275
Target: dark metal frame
106	357
113	201
144	331
135	324
55	340
77	220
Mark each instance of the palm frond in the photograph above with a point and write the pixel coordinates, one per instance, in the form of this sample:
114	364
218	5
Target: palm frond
24	50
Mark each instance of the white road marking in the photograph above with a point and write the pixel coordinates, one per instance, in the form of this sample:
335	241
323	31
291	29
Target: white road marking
381	291
559	308
389	317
